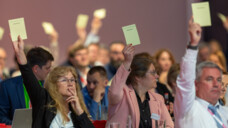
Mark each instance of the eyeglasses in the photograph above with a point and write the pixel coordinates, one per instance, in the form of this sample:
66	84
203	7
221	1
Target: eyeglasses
65	81
152	72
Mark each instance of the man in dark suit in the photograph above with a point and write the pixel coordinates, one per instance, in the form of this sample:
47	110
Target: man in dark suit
116	58
13	94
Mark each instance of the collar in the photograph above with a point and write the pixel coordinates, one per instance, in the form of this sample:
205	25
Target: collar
147	96
206	104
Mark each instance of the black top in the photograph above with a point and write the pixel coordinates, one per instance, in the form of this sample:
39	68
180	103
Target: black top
162	89
144	108
40	98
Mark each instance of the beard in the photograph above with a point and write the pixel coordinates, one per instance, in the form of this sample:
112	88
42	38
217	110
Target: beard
116	63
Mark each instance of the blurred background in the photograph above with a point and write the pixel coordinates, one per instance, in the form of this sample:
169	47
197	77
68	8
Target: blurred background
160	23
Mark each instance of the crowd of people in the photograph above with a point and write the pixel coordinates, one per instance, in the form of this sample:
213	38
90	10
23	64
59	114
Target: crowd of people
113	83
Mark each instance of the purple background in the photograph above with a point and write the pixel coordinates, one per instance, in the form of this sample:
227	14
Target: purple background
160	23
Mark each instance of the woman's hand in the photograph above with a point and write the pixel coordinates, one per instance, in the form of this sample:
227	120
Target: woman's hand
19	50
74	101
128	53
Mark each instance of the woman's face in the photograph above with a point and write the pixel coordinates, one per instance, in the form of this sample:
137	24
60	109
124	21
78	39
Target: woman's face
224	85
65	83
164	61
149	81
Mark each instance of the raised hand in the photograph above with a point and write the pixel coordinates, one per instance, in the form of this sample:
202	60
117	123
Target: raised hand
54	36
19	50
74	101
128	53
96	25
82	33
195	31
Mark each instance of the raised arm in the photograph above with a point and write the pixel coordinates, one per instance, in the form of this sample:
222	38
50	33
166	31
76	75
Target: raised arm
19	51
54	46
35	91
185	90
93	37
116	89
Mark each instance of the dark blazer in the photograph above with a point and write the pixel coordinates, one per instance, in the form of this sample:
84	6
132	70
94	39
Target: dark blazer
11	98
111	71
40	98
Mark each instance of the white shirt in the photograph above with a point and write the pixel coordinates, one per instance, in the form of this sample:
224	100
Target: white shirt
190	111
57	122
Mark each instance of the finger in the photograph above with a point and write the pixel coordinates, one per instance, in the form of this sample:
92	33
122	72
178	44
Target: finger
71	91
190	20
125	48
70	98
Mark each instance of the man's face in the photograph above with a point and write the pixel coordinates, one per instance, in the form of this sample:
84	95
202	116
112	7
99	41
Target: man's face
2	59
42	72
209	86
81	58
95	80
103	56
93	53
116	54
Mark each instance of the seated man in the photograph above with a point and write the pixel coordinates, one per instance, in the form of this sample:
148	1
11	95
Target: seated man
79	59
96	92
198	90
116	58
13	94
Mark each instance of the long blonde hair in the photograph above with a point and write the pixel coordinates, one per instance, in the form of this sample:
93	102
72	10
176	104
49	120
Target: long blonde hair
52	88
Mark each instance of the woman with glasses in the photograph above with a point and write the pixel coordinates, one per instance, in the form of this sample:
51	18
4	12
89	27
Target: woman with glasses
130	95
60	103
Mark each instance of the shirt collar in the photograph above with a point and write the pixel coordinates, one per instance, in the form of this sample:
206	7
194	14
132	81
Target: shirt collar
147	96
206	104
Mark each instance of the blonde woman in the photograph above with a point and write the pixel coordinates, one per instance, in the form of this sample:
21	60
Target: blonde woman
60	103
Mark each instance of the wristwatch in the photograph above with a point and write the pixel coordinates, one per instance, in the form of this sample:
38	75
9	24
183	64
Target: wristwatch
192	47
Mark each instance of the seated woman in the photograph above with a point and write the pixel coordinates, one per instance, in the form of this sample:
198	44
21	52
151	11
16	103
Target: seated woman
60	103
130	94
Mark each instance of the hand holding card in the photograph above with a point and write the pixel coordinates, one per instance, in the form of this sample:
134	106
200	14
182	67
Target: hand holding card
48	27
17	27
100	13
201	13
82	21
222	17
131	34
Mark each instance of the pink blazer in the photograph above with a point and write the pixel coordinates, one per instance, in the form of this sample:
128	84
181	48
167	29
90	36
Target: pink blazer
123	102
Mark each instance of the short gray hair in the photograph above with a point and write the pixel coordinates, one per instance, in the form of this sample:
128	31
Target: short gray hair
205	64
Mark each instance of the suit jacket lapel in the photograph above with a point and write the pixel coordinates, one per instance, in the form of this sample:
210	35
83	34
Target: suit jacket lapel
134	107
154	108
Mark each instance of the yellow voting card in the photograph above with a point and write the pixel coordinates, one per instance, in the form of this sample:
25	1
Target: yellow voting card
48	27
100	13
201	13
17	27
221	17
82	21
1	32
131	34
